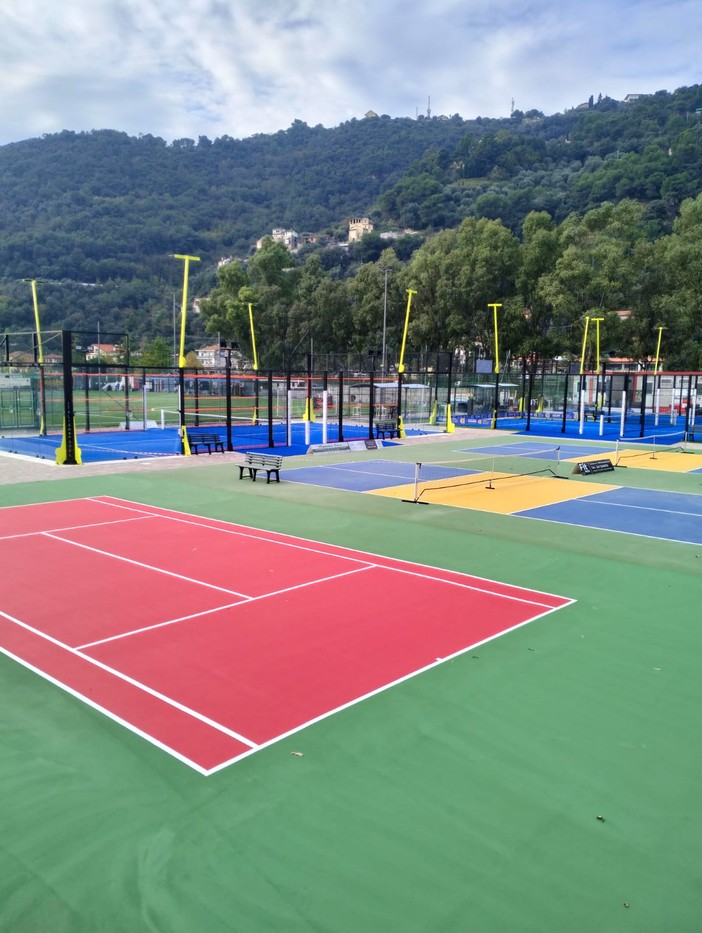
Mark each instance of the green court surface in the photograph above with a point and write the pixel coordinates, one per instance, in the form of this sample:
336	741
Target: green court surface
546	782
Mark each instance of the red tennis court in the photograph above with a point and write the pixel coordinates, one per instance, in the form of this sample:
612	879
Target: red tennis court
213	640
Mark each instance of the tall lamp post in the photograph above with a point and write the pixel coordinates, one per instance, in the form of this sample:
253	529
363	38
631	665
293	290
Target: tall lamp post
599	399
661	328
185	446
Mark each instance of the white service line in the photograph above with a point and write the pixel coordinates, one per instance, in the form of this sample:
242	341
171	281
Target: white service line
64	528
138	563
240	602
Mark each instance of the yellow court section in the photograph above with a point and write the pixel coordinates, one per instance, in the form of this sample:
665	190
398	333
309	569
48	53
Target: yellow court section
671	462
507	494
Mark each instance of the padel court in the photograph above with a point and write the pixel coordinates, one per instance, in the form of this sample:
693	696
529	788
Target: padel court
650	513
214	640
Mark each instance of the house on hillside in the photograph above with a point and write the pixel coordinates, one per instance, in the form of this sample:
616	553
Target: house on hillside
101	351
358	226
289	238
214	356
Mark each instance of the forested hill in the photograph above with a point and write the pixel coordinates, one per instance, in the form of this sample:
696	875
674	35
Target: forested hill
97	216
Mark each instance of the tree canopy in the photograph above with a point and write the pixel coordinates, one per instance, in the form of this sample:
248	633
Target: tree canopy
558	217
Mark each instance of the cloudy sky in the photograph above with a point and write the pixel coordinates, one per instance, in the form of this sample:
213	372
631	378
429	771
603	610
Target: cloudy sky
186	68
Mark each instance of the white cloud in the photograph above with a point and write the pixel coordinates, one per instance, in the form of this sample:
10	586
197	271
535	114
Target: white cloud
238	67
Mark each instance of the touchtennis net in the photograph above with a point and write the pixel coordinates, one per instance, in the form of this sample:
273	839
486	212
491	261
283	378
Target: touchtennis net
487	469
629	449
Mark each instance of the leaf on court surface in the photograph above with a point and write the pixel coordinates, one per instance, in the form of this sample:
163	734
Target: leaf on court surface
297	754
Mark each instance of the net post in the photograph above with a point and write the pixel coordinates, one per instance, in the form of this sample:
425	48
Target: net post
417	471
492	473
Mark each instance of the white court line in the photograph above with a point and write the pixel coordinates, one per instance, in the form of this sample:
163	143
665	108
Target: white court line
263	536
63	528
138	563
130	680
468	586
332	549
592	500
476	589
614	531
241	602
150	628
381	689
345	468
106	712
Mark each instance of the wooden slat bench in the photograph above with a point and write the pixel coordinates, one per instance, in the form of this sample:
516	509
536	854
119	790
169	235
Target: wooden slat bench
253	462
385	429
206	439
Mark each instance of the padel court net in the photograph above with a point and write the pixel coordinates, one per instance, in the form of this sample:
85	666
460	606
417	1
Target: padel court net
484	468
213	640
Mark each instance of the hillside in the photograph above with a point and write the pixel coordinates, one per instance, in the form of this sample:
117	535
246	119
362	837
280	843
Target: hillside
96	216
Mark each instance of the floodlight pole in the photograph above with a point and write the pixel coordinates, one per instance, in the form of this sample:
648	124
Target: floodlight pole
184	307
596	321
175	341
401	365
495	306
661	328
185	446
582	355
36	321
40	360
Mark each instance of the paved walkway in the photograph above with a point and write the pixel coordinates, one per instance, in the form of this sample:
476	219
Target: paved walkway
15	468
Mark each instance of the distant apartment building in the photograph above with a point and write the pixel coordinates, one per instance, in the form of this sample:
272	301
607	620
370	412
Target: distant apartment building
214	356
211	357
289	238
358	226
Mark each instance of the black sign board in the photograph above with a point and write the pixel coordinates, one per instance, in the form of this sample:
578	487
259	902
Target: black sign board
588	467
371	444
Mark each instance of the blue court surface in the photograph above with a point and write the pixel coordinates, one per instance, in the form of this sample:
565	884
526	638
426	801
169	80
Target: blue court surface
544	451
360	476
649	513
99	446
644	512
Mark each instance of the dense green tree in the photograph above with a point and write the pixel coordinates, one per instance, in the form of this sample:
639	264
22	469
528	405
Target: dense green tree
596	270
156	352
371	304
97	217
679	306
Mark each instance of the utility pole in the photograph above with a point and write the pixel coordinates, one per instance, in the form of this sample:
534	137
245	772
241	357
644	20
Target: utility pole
385	323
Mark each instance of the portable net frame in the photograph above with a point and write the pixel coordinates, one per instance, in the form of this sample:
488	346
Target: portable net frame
482	469
629	451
